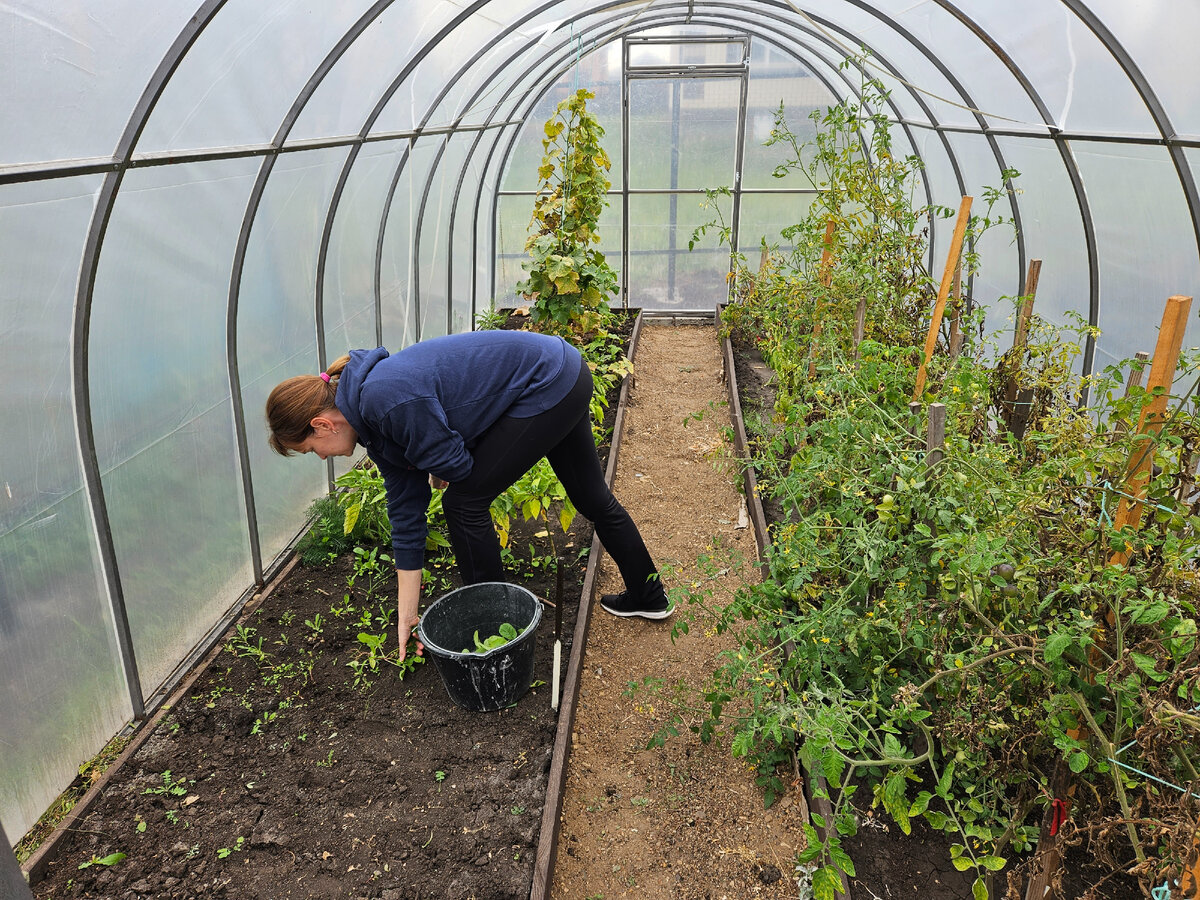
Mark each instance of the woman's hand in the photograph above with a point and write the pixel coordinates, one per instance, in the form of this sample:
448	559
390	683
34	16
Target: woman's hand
408	598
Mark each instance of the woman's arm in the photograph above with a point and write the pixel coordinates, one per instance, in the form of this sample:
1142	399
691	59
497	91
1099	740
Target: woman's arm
408	597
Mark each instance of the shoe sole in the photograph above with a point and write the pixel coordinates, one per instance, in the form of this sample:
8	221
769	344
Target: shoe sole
643	614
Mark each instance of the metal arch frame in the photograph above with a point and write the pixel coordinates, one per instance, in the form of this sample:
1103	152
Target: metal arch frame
81	331
546	85
1072	168
237	268
952	79
123	161
760	31
775	37
1158	113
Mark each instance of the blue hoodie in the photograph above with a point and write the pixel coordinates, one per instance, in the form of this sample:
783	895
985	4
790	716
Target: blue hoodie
419	412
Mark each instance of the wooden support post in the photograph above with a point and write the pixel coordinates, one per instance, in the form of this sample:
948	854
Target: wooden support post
956	336
1133	381
1152	419
1048	856
1190	883
939	308
826	276
860	324
1016	417
935	438
914	424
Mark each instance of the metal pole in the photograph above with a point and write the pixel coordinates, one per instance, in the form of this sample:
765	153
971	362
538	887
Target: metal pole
12	879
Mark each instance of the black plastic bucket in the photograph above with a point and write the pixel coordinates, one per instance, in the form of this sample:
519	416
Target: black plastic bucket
482	682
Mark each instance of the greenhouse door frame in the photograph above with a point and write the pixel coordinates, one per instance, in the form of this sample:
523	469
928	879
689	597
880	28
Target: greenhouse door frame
678	72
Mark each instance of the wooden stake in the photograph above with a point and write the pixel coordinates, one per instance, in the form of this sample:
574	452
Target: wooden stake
826	276
1133	381
860	324
956	337
939	308
935	439
1152	419
1016	421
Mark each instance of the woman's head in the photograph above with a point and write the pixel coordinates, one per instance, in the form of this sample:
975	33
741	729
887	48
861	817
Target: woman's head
302	417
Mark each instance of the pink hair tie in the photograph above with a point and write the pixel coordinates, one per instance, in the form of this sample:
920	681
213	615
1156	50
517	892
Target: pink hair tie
325	377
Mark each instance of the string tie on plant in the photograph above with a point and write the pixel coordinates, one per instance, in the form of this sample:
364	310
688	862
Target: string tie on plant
1061	810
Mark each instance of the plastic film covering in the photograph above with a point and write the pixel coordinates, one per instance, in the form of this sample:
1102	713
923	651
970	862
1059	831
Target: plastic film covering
1000	272
433	251
777	78
1146	244
1053	229
161	410
1165	55
62	688
995	89
1076	75
277	328
343	101
667	114
598	72
469	296
74	75
399	306
349	287
242	74
414	100
883	39
764	216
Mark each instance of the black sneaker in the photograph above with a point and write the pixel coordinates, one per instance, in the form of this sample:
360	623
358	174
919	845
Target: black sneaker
656	607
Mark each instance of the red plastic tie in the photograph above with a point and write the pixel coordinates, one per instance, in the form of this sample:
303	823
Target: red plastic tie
1060	815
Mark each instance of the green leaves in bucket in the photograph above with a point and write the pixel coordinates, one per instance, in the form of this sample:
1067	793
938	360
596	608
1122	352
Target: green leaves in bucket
505	633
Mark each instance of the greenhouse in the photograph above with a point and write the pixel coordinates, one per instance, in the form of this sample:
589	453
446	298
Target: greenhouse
910	280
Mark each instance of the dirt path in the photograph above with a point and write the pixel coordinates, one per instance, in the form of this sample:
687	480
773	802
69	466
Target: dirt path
687	820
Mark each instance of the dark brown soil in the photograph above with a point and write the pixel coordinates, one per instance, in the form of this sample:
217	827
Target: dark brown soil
384	791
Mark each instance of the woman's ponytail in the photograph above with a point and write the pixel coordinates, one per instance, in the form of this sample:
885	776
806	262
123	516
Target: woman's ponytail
294	403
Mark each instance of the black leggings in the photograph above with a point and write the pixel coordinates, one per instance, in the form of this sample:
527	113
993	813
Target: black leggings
509	449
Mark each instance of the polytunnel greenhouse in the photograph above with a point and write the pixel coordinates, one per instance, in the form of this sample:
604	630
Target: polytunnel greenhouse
910	279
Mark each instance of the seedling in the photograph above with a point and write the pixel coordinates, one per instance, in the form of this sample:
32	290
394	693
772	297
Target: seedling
224	852
111	860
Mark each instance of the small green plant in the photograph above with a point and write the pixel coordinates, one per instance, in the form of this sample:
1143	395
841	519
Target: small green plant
367	660
490	319
316	624
439	776
170	786
226	852
327	762
248	644
110	860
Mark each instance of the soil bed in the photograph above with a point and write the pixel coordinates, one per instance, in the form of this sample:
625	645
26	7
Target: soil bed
888	863
385	791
